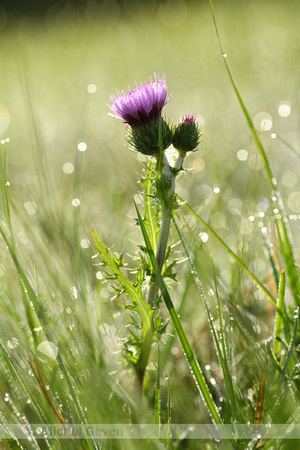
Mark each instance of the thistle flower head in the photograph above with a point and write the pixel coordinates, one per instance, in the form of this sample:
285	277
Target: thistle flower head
142	105
187	134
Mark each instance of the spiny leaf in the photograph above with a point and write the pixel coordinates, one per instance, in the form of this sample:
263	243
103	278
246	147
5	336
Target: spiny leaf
139	305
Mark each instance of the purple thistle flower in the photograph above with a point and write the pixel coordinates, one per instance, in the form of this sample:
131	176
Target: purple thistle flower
188	118
143	104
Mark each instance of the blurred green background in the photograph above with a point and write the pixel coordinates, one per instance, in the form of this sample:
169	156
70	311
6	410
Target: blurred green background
59	62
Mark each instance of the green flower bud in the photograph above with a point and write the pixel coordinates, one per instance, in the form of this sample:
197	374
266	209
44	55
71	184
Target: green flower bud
187	134
145	138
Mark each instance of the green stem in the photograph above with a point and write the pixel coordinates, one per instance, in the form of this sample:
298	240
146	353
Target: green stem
193	363
167	188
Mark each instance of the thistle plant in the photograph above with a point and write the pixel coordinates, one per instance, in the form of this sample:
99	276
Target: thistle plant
151	133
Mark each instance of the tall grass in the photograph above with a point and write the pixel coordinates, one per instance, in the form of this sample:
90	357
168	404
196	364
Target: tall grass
221	345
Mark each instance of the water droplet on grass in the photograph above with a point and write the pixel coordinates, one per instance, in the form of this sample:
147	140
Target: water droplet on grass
49	349
13	343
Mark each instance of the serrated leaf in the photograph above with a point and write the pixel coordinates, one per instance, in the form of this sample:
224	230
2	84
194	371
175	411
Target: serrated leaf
118	260
138	305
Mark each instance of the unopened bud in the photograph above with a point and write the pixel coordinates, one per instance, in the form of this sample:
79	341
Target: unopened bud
187	134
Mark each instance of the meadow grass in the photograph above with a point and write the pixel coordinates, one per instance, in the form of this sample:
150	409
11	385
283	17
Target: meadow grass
67	353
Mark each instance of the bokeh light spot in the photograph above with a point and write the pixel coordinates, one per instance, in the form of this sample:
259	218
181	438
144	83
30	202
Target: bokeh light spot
82	146
246	227
75	202
242	154
84	243
198	164
92	88
172	14
256	162
4	118
294	201
263	121
203	236
30	208
284	109
68	168
234	206
289	179
218	220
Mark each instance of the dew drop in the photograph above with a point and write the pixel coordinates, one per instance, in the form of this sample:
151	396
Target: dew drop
296	313
13	343
49	349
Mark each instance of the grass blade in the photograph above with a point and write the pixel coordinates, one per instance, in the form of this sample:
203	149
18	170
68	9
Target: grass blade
280	216
279	315
291	346
221	351
260	405
231	253
194	366
157	408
